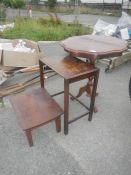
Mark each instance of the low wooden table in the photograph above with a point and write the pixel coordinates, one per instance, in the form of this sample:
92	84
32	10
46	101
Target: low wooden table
35	108
93	47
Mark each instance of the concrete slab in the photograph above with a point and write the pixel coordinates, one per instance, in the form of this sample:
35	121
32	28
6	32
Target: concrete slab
100	147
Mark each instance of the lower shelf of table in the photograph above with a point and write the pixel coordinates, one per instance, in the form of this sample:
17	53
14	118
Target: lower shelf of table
79	101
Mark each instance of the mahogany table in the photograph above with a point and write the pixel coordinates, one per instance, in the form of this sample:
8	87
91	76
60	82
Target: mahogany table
72	70
93	47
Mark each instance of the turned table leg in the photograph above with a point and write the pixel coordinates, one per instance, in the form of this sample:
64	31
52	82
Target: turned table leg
29	137
88	88
58	124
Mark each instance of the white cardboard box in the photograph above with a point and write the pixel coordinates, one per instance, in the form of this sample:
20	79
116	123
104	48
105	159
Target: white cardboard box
18	59
21	59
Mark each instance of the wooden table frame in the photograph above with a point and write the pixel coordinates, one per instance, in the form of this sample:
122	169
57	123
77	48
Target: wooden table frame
93	47
94	72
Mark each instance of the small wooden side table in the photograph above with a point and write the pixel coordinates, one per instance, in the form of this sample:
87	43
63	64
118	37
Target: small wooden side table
72	70
35	108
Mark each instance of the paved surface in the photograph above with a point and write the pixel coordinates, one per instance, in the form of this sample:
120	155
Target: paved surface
88	20
100	147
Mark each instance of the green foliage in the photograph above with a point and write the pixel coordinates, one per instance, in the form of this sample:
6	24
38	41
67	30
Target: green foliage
7	3
49	21
14	3
18	3
2	13
42	29
52	4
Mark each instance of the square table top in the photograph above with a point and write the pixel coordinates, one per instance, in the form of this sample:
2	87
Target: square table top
68	67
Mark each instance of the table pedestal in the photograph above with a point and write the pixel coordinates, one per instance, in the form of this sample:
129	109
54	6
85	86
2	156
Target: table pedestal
93	47
88	88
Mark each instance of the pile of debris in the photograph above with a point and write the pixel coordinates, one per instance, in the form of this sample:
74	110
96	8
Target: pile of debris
120	30
18	65
20	79
6	26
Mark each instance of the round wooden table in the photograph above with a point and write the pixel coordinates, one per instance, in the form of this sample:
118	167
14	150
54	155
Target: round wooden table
93	47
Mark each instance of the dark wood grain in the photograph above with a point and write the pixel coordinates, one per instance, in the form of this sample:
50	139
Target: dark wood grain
68	67
35	108
94	46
